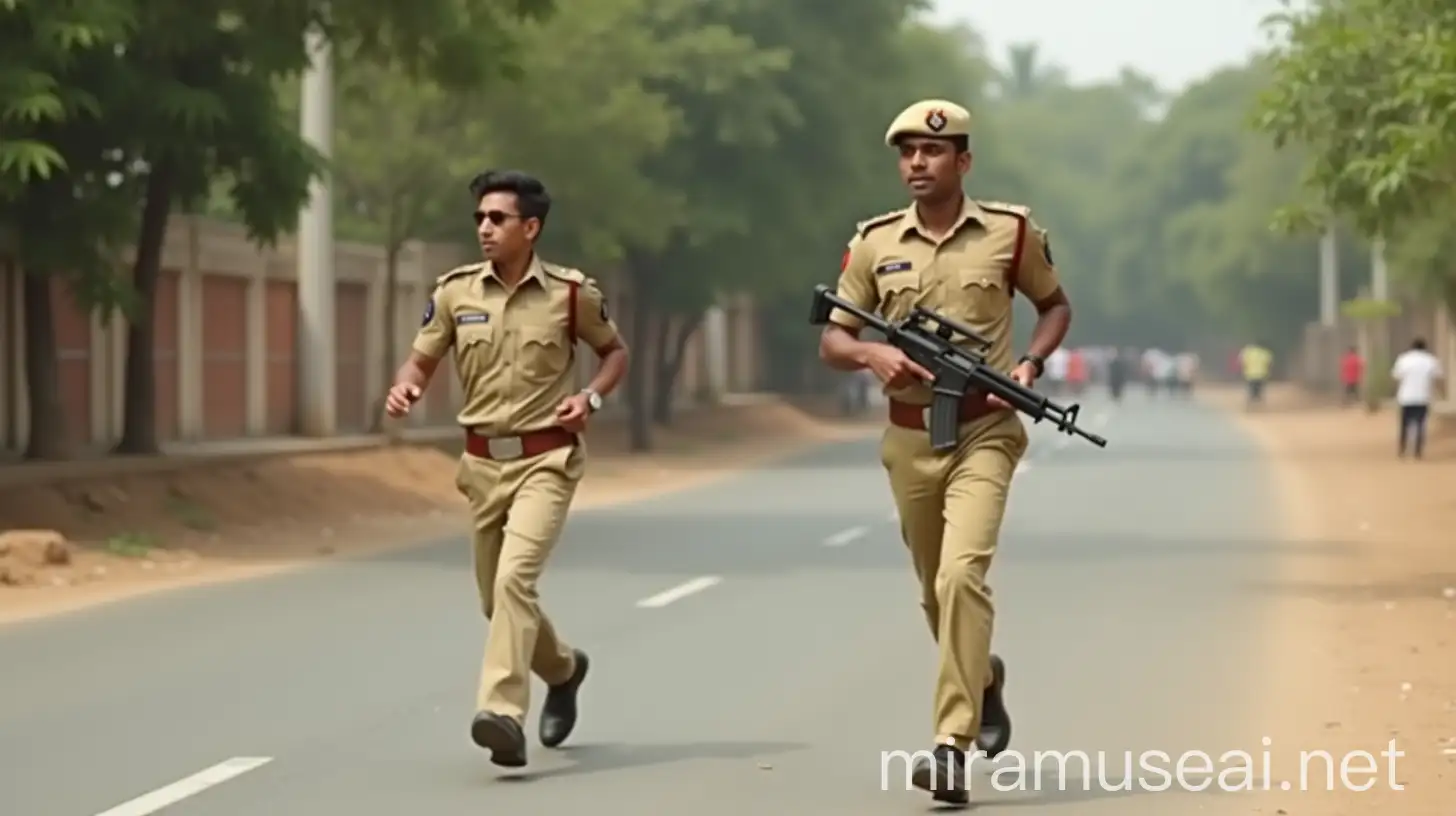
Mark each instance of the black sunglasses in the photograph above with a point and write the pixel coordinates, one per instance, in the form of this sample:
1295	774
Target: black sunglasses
496	217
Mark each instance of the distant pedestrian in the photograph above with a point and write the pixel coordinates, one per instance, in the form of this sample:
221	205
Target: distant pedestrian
1352	373
1255	361
1416	372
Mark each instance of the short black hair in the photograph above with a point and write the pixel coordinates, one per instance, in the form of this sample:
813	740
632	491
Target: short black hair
531	196
1419	344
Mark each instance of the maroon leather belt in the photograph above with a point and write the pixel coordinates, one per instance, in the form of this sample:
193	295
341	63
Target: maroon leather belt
917	417
519	446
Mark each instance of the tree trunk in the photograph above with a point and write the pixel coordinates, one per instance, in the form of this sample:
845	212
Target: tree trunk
676	333
47	439
639	326
660	358
139	396
391	328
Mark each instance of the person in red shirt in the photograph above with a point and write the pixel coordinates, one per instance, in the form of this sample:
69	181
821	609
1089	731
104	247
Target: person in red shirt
1352	371
1077	371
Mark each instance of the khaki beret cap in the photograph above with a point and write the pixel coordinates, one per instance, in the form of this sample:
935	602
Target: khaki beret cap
935	118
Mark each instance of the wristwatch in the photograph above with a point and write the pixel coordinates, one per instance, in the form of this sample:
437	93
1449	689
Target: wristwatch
593	399
1035	360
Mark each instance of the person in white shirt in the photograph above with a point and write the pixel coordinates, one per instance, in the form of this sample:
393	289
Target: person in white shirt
1162	372
1056	371
1416	372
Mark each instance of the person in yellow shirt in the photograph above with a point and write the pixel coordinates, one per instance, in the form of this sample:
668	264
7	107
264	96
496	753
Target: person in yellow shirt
1255	360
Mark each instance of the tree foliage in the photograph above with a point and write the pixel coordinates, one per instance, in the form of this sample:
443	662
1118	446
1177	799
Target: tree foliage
1369	87
703	150
119	113
1366	90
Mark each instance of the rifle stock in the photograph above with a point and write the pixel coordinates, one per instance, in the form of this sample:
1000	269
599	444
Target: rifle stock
957	371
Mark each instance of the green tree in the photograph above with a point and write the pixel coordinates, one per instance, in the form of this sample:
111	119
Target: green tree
192	100
1366	90
1369	88
53	161
1209	267
775	215
604	113
403	148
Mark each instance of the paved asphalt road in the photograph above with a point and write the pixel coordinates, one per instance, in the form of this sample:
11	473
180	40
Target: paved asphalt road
1124	586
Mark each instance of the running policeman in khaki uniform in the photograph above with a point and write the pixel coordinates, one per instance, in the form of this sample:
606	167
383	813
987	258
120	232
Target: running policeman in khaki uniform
965	259
513	323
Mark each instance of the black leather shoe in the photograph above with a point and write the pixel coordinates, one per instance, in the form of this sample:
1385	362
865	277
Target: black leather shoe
995	735
558	715
943	775
502	736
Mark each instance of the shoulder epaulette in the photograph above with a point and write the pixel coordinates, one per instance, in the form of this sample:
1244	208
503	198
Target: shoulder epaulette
866	226
564	273
1018	211
459	271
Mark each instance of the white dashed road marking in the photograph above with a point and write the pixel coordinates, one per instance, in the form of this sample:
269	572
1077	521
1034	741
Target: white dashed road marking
843	537
679	592
149	803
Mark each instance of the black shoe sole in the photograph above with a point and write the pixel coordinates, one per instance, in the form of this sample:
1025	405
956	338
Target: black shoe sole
504	743
996	738
921	778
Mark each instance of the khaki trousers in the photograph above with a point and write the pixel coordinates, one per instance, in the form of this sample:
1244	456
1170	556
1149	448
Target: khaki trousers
519	509
950	507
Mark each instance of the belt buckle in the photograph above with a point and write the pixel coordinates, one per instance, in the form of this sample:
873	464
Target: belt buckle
505	448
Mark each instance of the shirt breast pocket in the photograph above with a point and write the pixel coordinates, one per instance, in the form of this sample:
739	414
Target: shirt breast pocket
475	349
544	354
985	293
899	293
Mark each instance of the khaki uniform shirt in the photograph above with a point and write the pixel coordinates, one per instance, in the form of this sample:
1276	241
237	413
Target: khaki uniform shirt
512	347
893	265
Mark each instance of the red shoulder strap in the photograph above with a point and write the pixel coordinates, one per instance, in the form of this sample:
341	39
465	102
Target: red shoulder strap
572	287
1015	271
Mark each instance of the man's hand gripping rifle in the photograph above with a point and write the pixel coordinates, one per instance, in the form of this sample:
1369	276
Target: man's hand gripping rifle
957	371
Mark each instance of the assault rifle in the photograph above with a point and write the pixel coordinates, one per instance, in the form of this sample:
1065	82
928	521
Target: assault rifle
957	370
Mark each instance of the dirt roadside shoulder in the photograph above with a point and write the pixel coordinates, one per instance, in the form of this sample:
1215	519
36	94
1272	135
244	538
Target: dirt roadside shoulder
1361	650
81	542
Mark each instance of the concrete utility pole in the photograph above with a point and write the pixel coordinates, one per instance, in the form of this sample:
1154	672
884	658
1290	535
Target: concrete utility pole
1329	279
1379	277
715	338
317	351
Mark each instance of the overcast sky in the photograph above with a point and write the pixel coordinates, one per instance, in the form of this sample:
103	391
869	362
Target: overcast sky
1174	41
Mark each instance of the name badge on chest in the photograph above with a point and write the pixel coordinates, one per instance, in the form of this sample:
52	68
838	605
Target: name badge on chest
472	318
892	266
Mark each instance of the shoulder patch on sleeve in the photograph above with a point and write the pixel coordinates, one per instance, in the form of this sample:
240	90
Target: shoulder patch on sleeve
458	272
564	273
868	225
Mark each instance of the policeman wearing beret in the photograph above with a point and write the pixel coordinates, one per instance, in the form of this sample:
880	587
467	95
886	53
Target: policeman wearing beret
966	259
